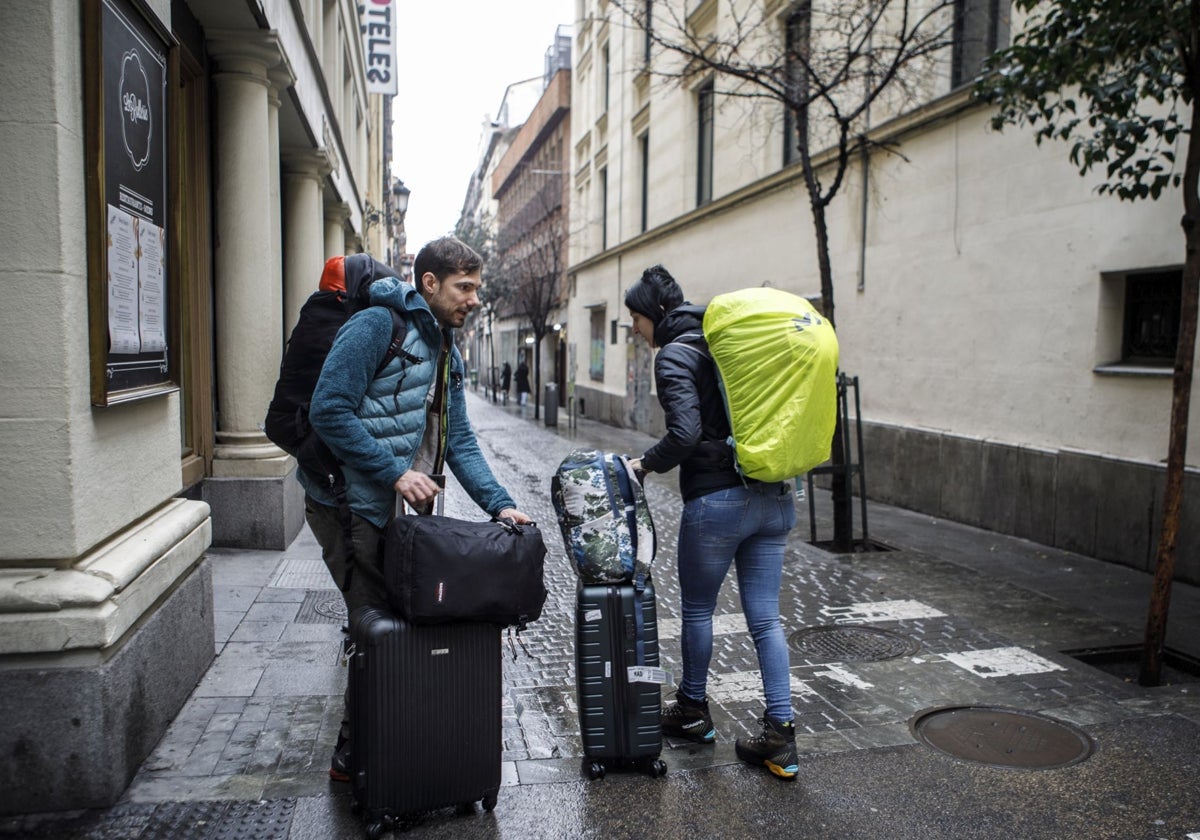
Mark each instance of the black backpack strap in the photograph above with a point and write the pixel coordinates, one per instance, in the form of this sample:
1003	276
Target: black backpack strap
399	332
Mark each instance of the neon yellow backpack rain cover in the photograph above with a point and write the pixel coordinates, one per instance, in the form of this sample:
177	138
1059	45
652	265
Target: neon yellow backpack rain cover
778	360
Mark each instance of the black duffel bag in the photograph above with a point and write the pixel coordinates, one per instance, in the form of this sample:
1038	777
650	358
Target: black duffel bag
439	569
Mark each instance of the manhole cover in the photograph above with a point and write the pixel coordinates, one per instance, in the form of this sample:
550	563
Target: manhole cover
1001	737
322	606
851	643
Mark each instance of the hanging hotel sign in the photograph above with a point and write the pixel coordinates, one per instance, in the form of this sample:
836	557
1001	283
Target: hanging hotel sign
377	24
127	67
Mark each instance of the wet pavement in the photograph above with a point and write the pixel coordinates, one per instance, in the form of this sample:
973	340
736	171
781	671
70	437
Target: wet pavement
953	616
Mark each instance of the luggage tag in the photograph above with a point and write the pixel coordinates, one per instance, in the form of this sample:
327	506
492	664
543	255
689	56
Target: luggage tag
646	674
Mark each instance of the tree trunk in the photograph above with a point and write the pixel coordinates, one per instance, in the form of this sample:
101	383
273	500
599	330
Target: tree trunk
843	512
1181	393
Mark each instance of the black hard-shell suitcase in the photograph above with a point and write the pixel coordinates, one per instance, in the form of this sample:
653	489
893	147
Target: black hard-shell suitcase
620	720
425	707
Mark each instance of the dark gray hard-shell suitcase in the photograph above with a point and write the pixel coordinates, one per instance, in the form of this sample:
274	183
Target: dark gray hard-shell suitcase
425	707
620	718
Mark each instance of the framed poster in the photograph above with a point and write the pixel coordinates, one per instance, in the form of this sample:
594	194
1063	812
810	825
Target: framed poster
128	64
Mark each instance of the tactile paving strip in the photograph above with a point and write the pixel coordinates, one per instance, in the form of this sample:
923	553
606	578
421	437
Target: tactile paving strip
301	573
222	820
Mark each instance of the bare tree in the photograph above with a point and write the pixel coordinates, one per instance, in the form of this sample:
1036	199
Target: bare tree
480	235
828	63
533	247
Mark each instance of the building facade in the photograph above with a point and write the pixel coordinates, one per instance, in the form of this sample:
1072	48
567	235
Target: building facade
520	217
487	342
1007	323
181	171
532	224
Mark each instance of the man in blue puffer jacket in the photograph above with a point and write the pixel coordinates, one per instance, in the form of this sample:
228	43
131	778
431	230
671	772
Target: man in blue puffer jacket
393	429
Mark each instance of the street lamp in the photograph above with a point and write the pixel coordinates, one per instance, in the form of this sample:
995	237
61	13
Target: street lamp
401	194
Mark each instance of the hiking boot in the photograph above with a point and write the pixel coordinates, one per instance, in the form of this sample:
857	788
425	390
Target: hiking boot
689	719
775	748
339	765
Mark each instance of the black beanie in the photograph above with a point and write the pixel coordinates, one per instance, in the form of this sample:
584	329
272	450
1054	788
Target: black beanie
654	295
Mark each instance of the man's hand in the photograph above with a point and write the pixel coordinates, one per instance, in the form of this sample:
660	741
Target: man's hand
417	488
515	515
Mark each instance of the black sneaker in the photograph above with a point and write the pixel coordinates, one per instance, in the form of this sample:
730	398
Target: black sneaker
775	748
689	719
339	765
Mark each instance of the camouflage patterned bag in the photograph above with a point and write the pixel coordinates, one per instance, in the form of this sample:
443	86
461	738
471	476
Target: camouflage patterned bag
606	526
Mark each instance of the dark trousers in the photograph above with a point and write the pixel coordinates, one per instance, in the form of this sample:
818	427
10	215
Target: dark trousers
366	585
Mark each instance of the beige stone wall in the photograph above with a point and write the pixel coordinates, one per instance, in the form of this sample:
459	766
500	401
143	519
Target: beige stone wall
984	309
71	474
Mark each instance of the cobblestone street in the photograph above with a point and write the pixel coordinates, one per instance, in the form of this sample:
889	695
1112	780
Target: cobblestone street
950	616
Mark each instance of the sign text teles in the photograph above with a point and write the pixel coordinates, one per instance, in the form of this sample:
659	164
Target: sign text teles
376	21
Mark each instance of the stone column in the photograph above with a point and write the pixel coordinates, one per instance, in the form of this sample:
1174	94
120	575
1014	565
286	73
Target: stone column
247	512
336	216
281	78
303	229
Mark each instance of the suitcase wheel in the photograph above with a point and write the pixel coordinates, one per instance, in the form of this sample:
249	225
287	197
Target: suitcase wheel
594	769
489	801
658	768
375	830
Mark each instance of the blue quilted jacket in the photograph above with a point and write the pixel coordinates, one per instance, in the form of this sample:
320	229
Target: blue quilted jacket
374	424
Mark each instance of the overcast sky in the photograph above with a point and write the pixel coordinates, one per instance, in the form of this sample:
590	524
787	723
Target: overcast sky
455	58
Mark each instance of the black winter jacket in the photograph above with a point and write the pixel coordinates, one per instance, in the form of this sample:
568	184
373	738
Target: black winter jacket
697	425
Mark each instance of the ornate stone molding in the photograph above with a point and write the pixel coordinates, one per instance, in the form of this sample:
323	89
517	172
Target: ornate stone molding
91	604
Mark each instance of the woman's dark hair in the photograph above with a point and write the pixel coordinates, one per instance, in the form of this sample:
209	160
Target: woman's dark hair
655	294
444	257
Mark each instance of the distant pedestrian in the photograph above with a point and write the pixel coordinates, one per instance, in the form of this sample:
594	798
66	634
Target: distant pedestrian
727	520
522	378
506	380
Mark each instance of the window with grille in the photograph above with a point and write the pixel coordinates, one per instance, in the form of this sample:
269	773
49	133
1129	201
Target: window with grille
796	40
980	28
596	345
603	209
1151	328
649	41
644	154
704	144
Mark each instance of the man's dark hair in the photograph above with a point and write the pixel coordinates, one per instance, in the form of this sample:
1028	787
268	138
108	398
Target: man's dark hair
655	294
445	257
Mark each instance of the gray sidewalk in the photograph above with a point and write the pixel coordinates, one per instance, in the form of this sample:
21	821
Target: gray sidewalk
955	616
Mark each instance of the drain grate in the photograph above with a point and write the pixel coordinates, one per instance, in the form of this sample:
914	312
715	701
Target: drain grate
1001	737
322	606
851	643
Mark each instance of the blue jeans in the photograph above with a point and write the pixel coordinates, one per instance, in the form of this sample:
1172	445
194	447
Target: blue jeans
746	526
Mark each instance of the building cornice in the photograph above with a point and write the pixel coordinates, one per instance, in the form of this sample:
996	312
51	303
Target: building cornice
920	119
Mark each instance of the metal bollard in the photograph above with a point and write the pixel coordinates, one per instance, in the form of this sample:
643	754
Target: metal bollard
551	404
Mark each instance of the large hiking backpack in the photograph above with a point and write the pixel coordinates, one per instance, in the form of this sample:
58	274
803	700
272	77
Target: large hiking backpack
344	290
777	358
605	522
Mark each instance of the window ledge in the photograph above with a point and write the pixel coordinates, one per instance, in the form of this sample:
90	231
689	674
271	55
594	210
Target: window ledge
1127	369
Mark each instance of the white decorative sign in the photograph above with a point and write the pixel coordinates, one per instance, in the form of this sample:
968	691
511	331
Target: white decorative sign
377	24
